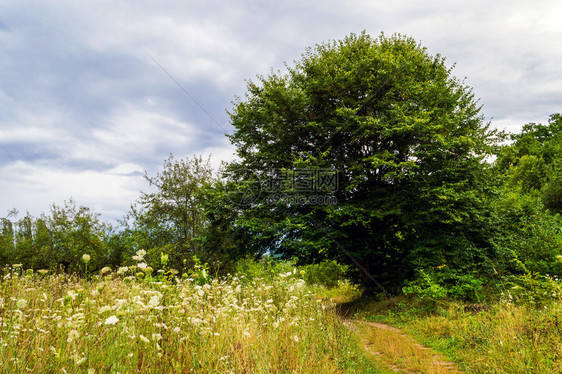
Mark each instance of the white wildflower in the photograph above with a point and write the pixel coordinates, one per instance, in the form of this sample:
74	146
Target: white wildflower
106	269
144	338
72	336
81	361
111	320
21	304
142	265
154	301
86	257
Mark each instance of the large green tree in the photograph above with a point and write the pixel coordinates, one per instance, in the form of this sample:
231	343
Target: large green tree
400	139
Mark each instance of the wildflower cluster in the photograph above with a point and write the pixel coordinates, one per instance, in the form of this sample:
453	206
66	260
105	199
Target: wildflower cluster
115	322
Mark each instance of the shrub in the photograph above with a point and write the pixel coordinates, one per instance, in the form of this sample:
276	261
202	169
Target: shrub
533	289
466	288
267	267
327	273
425	287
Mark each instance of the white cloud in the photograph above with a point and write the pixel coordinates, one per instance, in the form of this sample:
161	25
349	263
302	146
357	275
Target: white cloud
134	130
35	187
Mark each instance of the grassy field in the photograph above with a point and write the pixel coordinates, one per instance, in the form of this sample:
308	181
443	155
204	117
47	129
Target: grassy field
127	321
120	323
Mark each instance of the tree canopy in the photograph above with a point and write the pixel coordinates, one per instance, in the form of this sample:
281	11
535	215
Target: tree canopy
403	139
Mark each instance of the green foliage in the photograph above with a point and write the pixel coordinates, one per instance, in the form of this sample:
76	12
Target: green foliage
225	240
327	273
425	287
533	162
199	272
443	283
552	195
75	231
171	219
530	173
466	287
6	242
248	268
530	239
532	289
58	240
405	141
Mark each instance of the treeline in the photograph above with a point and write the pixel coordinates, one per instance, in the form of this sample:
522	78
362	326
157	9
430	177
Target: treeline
179	221
529	199
56	241
368	152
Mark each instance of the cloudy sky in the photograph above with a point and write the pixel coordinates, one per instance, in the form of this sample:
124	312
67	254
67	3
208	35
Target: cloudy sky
94	93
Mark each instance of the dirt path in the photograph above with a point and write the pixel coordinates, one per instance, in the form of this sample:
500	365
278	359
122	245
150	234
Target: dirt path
397	351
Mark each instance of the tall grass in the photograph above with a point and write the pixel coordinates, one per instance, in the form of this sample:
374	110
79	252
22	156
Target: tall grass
123	324
519	333
508	338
